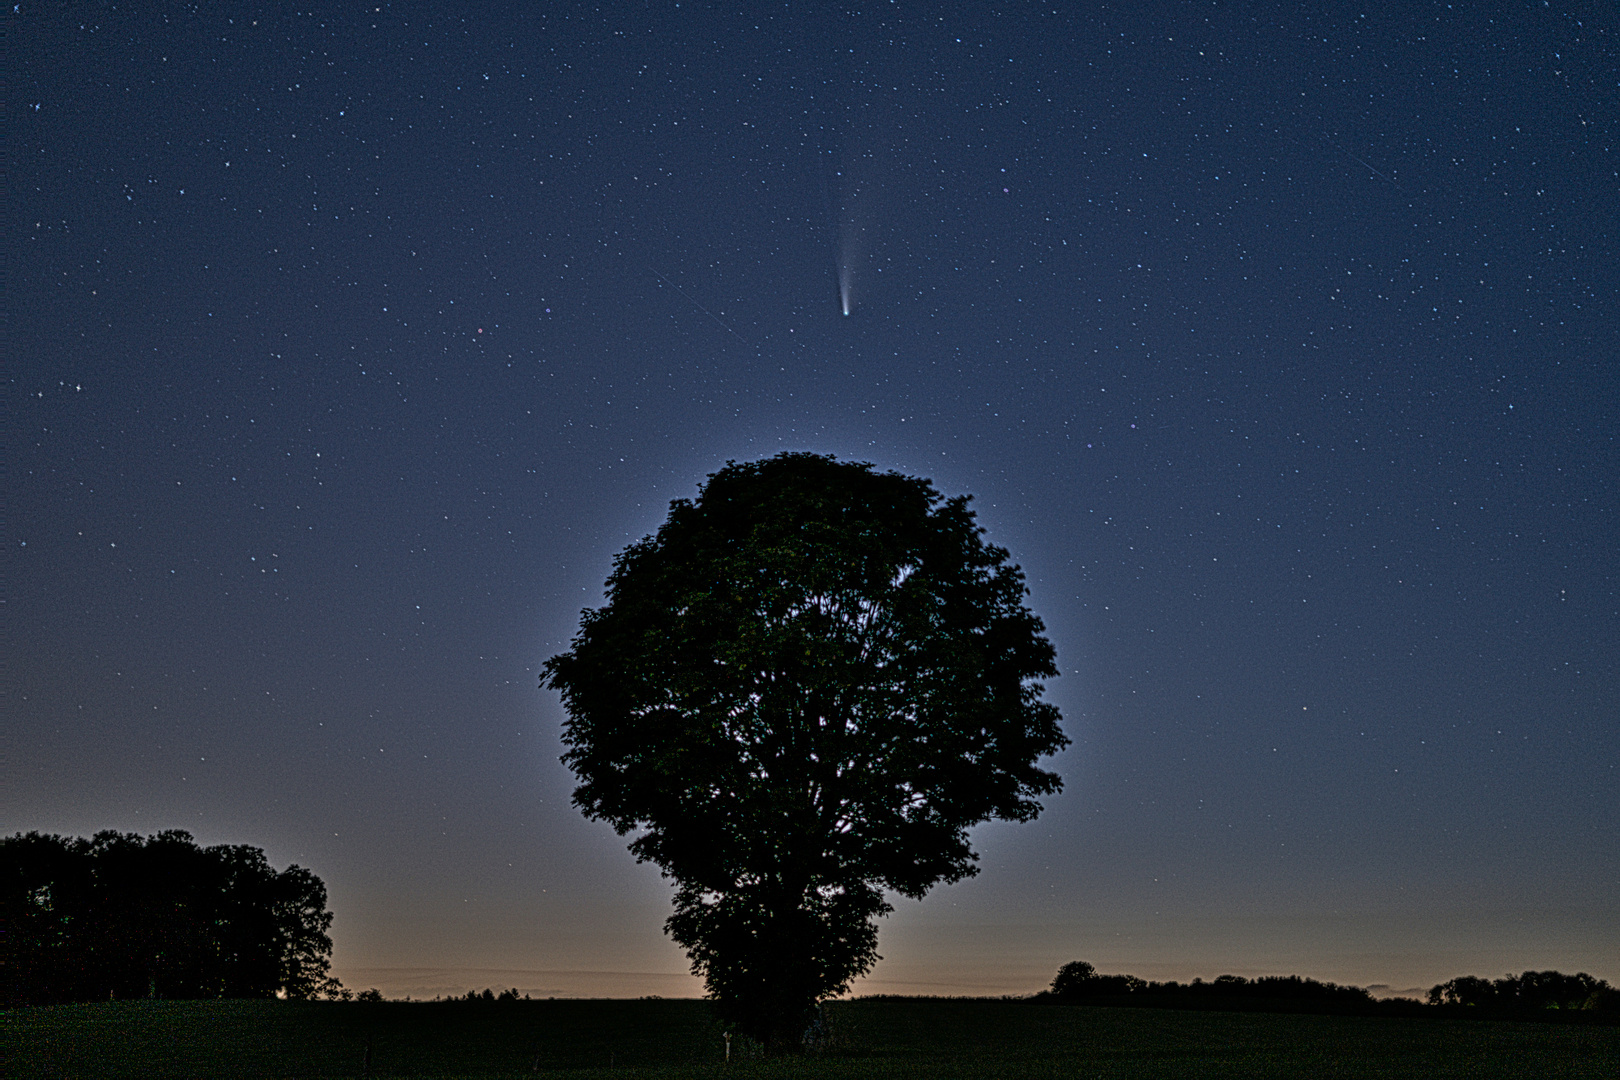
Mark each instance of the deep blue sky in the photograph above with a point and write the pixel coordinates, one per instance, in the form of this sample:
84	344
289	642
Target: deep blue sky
1280	344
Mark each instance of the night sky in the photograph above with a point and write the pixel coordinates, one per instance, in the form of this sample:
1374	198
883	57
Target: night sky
1279	343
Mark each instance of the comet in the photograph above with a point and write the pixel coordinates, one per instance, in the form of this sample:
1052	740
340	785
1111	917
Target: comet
853	213
849	255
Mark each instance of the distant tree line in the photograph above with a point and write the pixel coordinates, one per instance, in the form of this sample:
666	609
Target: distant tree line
121	916
1531	990
1079	982
1531	993
492	997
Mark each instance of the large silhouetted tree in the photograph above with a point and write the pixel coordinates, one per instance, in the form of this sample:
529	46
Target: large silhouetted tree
803	690
122	916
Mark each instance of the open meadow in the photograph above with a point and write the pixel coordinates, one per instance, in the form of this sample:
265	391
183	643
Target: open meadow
877	1038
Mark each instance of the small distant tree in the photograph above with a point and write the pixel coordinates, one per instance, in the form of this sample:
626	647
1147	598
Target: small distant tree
1072	978
802	691
1464	990
1078	979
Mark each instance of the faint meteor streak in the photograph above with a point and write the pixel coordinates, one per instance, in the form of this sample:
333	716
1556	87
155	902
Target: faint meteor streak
723	324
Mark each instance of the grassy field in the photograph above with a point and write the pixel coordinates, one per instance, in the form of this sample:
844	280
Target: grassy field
878	1039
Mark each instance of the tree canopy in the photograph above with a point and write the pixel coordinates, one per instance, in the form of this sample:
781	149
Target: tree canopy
123	916
803	690
1531	990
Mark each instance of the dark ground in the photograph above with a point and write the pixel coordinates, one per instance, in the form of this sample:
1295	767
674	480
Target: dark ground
872	1038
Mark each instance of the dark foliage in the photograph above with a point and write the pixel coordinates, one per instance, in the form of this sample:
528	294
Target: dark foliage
1529	991
1079	982
122	916
490	997
1525	996
803	690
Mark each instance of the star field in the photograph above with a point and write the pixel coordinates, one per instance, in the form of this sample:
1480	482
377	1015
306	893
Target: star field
1278	345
